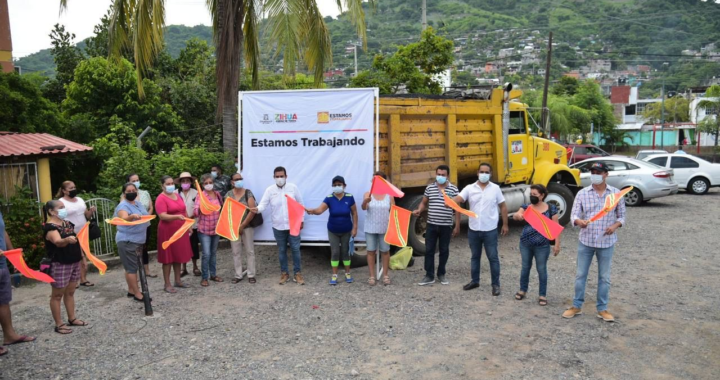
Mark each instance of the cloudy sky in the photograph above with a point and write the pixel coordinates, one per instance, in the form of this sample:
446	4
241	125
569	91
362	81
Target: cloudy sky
32	20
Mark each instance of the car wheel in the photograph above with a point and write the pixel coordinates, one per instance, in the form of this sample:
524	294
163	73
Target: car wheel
698	185
634	198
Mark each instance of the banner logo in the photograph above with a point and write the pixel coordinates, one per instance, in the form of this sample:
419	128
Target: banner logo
286	117
323	117
265	119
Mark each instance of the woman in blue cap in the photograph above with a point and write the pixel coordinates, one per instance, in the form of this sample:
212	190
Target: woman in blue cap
342	224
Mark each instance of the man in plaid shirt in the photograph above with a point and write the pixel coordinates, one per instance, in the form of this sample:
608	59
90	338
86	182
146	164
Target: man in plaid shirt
596	239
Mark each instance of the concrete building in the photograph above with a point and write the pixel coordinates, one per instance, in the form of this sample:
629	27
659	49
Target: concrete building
6	63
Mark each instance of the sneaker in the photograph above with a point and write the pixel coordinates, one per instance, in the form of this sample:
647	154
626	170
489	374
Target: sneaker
495	290
471	285
443	280
426	281
284	278
299	278
571	312
605	316
348	278
333	280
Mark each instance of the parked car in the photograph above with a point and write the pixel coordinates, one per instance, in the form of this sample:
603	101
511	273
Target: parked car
691	173
644	153
580	152
649	180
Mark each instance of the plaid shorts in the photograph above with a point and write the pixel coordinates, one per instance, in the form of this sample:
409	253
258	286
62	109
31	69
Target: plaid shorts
63	274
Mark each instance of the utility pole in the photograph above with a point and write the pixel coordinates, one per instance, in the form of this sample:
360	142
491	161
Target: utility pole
662	113
543	122
355	50
424	14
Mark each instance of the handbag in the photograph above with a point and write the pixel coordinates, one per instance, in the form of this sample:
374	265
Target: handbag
94	230
257	220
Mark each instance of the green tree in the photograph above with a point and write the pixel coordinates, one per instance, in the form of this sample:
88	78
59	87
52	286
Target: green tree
24	109
590	97
66	56
97	45
615	138
566	86
677	110
712	102
463	78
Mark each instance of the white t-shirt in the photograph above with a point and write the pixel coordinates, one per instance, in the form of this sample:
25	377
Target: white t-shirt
75	212
274	197
485	204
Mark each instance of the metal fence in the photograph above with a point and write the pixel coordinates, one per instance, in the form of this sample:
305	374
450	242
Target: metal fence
105	208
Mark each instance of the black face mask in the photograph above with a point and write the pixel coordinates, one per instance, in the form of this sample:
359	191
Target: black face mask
72	193
130	196
534	200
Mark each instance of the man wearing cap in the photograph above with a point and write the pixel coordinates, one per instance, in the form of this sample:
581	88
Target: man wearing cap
188	194
596	239
221	182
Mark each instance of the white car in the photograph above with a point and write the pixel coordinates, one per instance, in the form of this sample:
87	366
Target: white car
644	153
691	173
649	181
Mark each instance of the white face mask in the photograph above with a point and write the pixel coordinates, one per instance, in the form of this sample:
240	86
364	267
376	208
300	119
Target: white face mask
596	179
280	182
337	189
484	177
208	187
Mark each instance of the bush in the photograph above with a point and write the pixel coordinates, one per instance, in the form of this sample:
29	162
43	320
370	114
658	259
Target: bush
23	224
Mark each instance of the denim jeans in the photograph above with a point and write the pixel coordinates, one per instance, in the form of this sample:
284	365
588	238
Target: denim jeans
488	239
209	245
584	259
283	237
432	235
541	255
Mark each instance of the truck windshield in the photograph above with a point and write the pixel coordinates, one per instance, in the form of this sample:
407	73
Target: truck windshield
517	123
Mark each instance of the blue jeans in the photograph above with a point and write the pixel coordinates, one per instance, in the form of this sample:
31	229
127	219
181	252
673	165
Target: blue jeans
541	255
283	237
209	254
432	235
488	239
584	259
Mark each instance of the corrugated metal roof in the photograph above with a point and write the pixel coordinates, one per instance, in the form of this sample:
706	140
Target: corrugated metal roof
37	144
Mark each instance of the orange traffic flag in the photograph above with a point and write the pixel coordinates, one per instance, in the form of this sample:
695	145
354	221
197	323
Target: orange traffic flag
398	227
122	222
84	240
179	233
542	224
611	201
206	207
16	258
295	215
230	219
451	203
381	186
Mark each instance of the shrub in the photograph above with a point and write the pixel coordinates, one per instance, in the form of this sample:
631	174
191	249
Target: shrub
23	224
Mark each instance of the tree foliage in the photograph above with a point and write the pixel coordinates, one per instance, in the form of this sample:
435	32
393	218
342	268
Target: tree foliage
24	109
677	110
711	124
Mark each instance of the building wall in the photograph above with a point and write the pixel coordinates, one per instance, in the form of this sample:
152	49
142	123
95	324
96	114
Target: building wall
5	39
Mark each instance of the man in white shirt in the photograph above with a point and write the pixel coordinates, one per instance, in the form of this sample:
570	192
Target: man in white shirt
274	197
484	198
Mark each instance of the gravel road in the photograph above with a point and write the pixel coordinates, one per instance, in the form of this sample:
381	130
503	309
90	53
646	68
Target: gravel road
664	296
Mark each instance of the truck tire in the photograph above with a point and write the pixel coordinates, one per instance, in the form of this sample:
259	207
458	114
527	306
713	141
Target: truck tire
562	198
418	225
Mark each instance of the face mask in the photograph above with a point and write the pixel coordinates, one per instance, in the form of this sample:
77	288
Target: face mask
534	200
237	165
484	177
213	174
337	189
596	179
208	187
62	213
185	186
280	182
130	196
170	188
441	179
137	184
239	184
72	193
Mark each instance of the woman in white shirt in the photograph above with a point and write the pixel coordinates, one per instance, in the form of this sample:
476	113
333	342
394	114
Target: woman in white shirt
77	213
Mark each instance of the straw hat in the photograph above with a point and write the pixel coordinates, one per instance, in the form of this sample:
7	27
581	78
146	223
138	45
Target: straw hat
185	175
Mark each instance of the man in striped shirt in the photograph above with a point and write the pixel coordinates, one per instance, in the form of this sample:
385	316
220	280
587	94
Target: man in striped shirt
439	224
596	239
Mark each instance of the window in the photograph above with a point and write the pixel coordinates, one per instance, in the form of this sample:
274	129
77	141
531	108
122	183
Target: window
517	123
631	166
616	166
597	151
630	110
584	167
579	150
660	161
640	108
683	163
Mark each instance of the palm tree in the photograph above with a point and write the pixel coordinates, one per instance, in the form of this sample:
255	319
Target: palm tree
711	103
296	27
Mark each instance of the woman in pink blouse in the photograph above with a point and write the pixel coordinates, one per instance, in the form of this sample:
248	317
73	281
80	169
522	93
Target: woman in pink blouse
206	231
170	208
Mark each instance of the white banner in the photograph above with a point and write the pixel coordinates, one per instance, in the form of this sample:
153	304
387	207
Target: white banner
315	135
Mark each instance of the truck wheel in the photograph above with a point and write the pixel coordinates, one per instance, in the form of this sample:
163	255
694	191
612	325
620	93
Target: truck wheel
562	198
418	225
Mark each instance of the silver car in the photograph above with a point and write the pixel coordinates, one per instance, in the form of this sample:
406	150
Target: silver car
649	180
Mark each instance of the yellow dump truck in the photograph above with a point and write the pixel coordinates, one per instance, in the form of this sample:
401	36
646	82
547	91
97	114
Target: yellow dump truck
419	133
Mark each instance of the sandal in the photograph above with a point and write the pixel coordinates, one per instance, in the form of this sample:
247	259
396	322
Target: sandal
235	280
184	273
252	280
196	272
371	281
3	351
63	329
542	301
170	290
386	280
520	296
152	275
87	283
21	339
204	283
74	322
183	285
216	279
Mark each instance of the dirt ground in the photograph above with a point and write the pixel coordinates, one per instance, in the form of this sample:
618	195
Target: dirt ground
665	296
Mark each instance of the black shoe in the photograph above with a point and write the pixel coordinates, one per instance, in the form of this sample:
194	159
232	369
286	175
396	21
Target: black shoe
496	290
427	280
471	285
130	294
140	299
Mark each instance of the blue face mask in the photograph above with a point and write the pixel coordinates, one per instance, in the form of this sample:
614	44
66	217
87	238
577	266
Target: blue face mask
213	174
337	189
62	213
239	184
484	177
170	188
441	179
137	184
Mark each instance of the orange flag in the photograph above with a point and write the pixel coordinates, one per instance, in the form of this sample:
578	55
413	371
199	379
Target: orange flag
122	222
16	258
206	207
381	186
542	224
84	240
398	227
611	201
451	203
295	215
179	233
230	219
